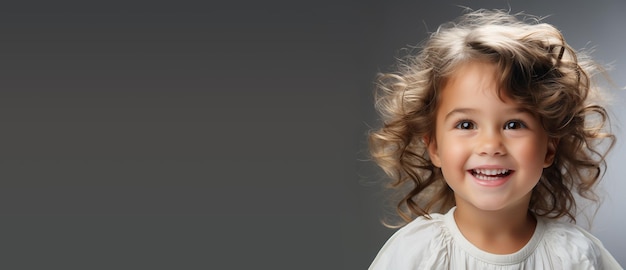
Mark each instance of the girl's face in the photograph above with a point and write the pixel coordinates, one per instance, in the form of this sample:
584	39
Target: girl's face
491	151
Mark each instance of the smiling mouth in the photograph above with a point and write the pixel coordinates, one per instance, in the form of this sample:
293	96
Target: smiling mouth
490	174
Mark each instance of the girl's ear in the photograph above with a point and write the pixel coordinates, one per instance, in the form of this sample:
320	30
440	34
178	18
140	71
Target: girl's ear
551	153
433	152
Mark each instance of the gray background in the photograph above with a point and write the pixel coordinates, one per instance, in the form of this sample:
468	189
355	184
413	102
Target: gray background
221	135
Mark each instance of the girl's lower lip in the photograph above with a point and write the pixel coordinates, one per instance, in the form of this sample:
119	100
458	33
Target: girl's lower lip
491	183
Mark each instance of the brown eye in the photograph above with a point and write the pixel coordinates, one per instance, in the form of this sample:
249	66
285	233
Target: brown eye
514	124
465	125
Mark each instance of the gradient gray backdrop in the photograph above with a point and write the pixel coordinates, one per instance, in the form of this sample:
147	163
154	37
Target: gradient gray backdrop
221	135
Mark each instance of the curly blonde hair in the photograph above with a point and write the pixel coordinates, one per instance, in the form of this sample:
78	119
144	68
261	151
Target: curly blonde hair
538	69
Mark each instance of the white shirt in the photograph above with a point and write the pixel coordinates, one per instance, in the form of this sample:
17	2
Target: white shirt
437	243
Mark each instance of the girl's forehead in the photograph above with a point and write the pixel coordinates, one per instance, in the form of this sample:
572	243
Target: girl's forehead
475	84
479	77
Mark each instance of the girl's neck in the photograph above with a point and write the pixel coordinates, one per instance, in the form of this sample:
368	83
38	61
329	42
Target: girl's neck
498	232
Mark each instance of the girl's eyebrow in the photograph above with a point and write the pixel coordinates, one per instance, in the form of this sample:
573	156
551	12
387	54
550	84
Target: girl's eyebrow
459	111
470	111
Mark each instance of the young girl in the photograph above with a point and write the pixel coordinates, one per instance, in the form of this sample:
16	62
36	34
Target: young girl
490	132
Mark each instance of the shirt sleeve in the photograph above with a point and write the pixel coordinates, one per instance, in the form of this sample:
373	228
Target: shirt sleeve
418	245
604	258
576	248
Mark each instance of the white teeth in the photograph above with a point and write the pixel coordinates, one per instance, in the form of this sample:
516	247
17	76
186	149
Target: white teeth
490	172
487	178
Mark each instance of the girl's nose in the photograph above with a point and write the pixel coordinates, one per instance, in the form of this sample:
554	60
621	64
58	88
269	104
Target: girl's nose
490	144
